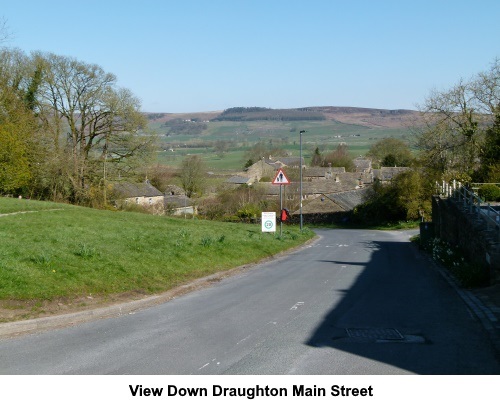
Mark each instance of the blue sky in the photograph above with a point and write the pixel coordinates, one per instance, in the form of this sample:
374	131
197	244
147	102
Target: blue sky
190	56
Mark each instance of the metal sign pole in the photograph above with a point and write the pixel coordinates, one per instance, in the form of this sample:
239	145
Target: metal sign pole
281	209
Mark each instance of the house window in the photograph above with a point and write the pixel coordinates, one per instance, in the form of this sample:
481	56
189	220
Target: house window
150	201
137	200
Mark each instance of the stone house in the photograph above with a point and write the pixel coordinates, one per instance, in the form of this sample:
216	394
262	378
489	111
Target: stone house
267	167
143	194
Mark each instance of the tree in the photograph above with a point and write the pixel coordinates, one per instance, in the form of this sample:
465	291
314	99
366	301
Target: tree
390	152
4	30
262	150
102	122
17	124
192	175
16	131
490	156
455	121
339	158
221	147
406	198
317	158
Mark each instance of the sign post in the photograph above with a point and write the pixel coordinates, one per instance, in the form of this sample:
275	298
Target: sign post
281	180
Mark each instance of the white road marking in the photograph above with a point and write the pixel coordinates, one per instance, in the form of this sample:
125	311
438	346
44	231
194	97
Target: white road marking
296	306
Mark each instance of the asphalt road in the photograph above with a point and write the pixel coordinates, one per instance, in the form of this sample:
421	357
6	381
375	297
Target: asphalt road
352	302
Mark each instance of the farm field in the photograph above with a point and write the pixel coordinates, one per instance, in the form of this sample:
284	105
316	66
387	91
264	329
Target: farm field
240	136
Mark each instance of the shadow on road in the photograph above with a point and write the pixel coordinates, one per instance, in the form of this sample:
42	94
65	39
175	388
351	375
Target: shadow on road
401	313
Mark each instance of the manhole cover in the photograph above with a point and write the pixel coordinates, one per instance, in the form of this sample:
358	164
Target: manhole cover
374	334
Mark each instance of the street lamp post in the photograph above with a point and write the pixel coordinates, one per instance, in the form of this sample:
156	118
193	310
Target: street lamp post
300	187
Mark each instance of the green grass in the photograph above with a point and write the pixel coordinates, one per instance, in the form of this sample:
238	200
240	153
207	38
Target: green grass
283	133
77	251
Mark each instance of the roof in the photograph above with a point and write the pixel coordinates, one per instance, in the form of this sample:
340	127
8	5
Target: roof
346	181
289	161
362	164
322	171
348	200
337	202
238	180
172	189
388	173
131	190
320	205
178	201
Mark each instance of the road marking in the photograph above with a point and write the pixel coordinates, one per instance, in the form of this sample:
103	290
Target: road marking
296	306
202	367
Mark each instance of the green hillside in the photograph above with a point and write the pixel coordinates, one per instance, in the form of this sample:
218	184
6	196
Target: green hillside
62	252
241	135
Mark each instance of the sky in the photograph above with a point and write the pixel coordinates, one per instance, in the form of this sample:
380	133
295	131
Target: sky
194	55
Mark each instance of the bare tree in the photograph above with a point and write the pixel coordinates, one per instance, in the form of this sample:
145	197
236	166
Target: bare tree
452	139
4	30
102	122
192	175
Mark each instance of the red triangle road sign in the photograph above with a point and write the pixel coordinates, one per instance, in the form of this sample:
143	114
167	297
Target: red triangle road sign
280	178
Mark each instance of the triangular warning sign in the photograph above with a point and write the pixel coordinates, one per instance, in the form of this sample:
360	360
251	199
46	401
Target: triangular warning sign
280	178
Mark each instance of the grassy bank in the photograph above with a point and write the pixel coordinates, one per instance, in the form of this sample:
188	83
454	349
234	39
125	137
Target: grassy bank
67	251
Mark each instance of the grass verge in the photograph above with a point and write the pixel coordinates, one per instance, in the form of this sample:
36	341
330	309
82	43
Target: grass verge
62	252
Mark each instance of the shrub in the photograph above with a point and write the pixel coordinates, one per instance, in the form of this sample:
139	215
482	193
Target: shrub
490	192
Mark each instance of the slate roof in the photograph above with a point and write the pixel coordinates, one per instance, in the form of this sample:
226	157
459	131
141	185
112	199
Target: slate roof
177	201
388	173
238	180
320	205
172	189
337	202
289	161
348	200
321	171
346	181
131	190
362	164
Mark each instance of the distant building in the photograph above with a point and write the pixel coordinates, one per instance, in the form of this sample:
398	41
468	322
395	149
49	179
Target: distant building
363	165
343	201
144	194
239	180
173	202
386	174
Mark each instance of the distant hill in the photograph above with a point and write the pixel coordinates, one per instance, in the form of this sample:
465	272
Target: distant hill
368	117
269	114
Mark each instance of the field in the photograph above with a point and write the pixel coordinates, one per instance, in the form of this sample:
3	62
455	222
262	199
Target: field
54	255
325	134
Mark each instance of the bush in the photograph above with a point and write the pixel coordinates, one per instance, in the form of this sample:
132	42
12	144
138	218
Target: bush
490	192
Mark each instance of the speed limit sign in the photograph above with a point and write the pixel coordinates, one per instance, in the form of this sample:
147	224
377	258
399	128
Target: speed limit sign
268	222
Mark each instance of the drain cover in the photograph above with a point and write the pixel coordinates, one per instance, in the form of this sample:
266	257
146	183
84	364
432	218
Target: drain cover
374	334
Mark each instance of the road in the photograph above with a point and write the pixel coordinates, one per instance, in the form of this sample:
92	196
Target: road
351	302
